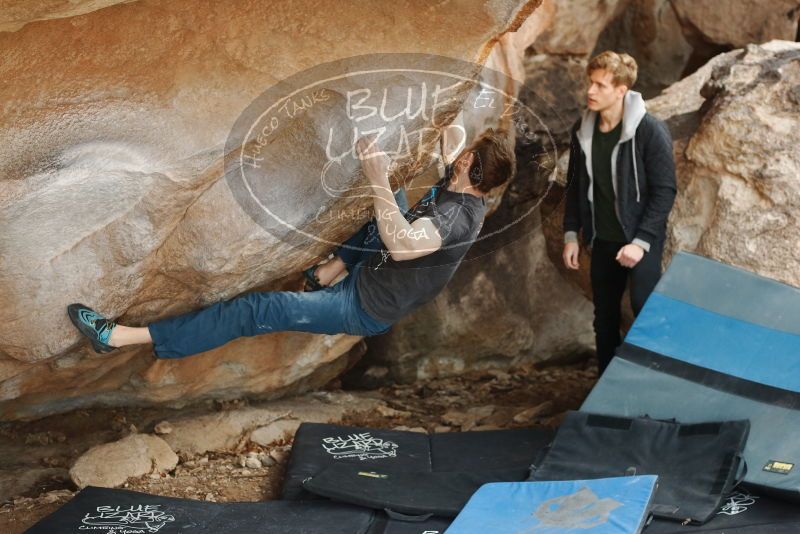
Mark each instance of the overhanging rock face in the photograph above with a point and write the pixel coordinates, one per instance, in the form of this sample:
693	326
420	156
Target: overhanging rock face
113	133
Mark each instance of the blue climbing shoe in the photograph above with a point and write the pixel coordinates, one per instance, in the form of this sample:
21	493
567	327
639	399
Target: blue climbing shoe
312	281
92	325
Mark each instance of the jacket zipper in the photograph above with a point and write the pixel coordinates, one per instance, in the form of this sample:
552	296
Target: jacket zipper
594	229
635	172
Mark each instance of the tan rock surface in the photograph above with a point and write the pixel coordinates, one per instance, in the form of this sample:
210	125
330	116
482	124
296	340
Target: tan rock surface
739	192
112	192
277	431
737	23
576	26
14	14
223	431
111	464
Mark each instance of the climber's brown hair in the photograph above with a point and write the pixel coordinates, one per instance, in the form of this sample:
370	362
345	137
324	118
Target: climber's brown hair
622	67
494	162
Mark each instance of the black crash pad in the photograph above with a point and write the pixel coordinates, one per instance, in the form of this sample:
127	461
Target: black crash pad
696	464
716	342
113	511
318	446
489	449
407	492
383	524
742	512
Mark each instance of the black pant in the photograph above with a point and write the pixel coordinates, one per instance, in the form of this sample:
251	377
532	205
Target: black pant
609	279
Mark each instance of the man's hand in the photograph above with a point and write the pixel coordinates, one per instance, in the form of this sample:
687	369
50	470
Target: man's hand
630	255
571	253
374	161
403	240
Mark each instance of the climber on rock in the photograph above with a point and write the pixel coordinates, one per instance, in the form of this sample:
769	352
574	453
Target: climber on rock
419	252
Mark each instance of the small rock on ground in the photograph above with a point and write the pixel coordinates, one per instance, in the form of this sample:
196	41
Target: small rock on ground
111	464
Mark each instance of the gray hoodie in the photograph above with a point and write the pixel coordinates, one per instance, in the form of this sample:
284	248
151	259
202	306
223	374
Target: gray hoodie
633	175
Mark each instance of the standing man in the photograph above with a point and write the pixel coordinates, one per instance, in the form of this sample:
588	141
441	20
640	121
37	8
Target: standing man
620	190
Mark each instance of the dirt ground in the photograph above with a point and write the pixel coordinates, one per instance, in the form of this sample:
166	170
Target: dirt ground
45	449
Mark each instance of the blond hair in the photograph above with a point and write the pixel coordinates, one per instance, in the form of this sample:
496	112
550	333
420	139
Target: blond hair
622	67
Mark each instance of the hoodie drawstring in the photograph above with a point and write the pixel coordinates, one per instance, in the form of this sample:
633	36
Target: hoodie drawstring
635	172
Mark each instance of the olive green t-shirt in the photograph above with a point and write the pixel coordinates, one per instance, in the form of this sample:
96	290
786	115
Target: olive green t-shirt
607	226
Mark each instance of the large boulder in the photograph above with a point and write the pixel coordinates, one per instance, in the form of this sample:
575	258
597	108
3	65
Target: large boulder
739	171
736	23
576	26
17	13
115	193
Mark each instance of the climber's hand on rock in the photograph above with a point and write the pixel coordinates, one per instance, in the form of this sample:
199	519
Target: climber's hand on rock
374	161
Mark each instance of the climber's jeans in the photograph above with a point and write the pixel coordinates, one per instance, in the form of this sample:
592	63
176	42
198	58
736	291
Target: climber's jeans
333	310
